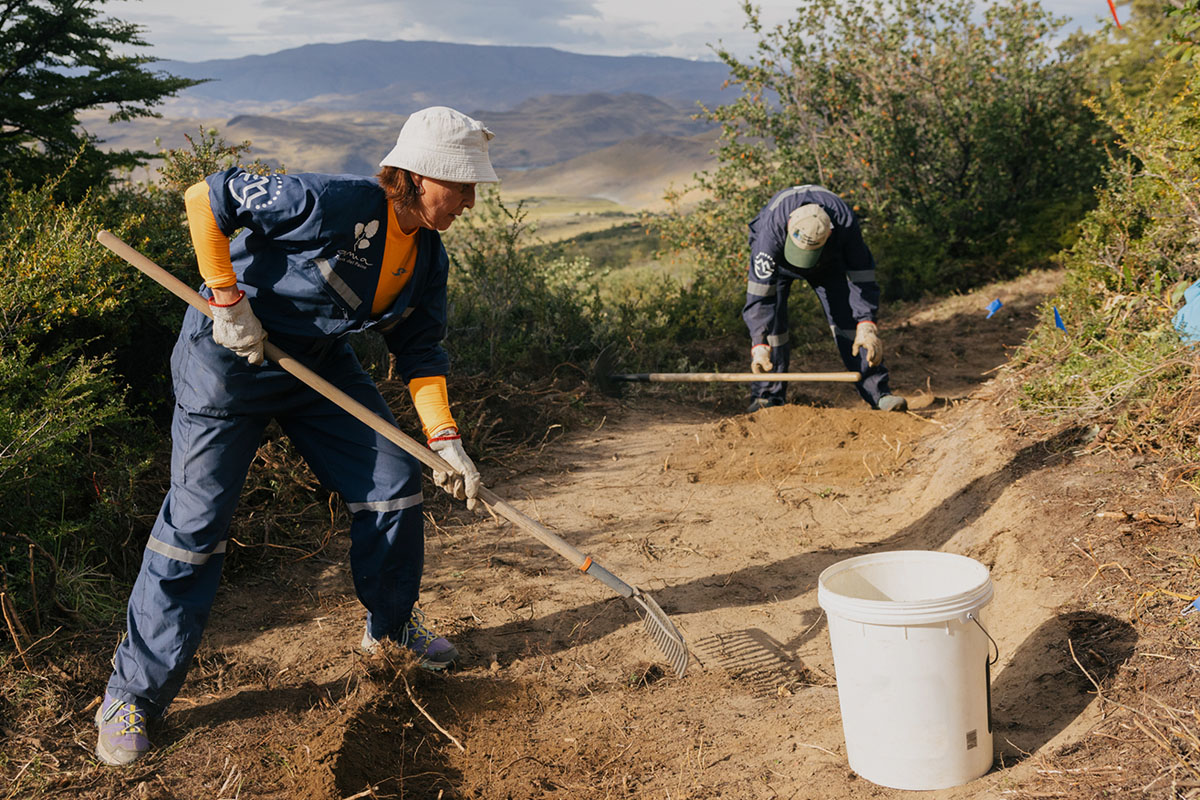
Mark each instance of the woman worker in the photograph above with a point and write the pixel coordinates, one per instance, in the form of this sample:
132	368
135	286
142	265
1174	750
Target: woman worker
319	257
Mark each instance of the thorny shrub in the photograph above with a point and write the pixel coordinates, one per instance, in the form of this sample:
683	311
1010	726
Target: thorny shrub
513	314
949	133
1120	364
84	339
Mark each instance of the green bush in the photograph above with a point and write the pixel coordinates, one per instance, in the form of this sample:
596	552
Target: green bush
69	454
949	130
1120	363
518	311
513	314
84	345
68	446
1132	58
61	290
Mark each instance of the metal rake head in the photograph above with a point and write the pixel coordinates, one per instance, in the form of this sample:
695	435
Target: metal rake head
663	632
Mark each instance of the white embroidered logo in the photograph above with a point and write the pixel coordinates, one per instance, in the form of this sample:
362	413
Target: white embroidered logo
764	266
251	188
363	233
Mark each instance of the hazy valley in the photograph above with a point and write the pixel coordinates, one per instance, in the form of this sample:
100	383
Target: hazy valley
576	136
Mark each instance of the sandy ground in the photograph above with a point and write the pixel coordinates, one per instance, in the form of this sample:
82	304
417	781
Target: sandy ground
726	521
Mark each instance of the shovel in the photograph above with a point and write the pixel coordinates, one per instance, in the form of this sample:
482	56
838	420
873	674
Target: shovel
657	624
608	381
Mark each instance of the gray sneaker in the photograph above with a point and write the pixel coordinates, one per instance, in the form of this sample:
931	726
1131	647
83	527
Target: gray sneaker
122	727
436	652
892	402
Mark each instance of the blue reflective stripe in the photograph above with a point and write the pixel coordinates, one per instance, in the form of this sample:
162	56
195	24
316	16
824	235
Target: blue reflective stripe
339	285
179	554
380	506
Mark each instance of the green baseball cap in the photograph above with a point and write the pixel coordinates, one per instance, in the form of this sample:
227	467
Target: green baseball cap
807	231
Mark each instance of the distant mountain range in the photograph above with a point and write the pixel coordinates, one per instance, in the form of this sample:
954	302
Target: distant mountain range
618	128
400	77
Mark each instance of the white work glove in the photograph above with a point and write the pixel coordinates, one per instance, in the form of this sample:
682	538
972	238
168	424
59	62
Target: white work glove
464	484
236	327
760	358
867	336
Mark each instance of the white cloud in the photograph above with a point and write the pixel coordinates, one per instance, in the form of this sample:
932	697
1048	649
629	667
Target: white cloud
681	28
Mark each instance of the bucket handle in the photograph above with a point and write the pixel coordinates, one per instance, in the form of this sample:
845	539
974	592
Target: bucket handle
991	661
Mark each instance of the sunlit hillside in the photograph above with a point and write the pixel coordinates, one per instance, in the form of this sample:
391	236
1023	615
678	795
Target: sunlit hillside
582	162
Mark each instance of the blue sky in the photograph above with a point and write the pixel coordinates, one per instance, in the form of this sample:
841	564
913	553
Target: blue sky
197	31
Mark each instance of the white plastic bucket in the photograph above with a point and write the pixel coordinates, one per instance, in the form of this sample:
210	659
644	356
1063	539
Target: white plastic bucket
912	666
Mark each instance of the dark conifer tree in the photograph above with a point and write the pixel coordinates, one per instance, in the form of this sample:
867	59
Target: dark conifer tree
58	58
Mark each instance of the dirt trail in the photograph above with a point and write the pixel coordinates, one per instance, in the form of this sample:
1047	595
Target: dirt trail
726	521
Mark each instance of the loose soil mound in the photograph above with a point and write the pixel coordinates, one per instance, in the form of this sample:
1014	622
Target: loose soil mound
801	446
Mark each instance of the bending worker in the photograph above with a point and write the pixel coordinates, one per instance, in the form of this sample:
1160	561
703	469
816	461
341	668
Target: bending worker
809	232
319	257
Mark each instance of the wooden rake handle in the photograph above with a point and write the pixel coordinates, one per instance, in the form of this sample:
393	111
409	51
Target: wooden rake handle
372	420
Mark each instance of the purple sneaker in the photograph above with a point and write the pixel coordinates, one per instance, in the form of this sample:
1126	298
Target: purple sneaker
122	732
436	652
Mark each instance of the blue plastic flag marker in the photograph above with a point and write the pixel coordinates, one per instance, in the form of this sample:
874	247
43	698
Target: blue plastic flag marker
1058	323
1187	318
993	307
1192	607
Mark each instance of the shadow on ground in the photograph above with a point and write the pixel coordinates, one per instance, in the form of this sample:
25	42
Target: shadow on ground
1031	704
797	575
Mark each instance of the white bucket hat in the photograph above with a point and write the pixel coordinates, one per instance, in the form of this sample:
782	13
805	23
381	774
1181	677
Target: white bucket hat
443	144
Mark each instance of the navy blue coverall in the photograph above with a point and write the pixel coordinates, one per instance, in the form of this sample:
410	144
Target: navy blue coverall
843	278
309	261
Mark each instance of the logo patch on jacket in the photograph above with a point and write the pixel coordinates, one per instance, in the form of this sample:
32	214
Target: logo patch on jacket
363	231
764	266
250	190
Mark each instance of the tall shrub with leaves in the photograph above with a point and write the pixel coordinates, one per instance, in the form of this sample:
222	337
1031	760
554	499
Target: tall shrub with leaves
950	132
513	314
84	342
58	58
68	450
1134	55
1120	362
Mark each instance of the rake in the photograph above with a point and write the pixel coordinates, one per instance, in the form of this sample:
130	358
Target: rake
657	624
